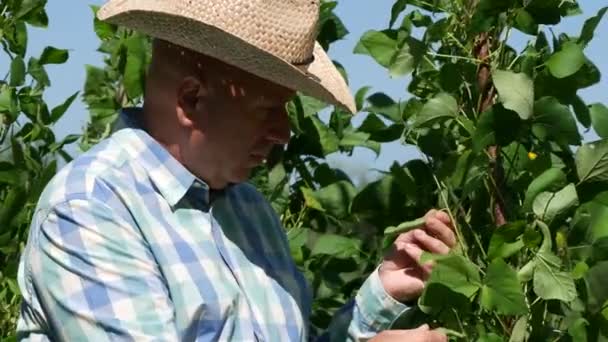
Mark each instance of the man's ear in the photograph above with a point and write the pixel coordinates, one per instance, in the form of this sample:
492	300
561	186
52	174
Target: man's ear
189	94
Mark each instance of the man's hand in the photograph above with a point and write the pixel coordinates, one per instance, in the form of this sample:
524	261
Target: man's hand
421	334
401	273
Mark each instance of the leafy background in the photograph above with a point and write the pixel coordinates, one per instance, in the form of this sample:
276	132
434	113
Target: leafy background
498	136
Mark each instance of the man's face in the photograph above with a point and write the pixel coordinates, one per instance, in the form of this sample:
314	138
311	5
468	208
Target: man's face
236	119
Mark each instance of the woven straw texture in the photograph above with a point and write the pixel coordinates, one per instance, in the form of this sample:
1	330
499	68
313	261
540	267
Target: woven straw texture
273	39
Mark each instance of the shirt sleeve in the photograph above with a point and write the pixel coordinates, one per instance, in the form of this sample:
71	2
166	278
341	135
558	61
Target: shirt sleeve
95	277
371	311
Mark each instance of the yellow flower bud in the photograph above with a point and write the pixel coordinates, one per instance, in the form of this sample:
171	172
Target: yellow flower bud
532	155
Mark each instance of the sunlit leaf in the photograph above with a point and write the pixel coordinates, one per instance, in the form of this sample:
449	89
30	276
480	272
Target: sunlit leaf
567	61
501	290
549	281
336	245
553	119
52	55
592	161
589	27
516	92
525	22
552	179
17	72
442	106
381	45
58	111
597	291
457	273
599	119
549	205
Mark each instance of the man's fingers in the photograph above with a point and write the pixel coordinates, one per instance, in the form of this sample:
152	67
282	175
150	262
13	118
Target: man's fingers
430	243
420	334
441	230
415	253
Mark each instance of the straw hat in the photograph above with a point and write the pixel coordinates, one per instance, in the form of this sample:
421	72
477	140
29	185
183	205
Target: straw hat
273	39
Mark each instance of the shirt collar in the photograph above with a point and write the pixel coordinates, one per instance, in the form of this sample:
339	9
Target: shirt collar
168	175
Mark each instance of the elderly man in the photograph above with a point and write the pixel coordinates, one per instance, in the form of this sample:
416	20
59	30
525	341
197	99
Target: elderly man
153	234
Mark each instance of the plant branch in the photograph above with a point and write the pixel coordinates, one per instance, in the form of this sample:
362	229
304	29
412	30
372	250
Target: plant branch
487	91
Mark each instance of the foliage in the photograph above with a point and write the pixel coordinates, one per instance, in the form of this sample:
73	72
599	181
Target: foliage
29	150
119	84
502	154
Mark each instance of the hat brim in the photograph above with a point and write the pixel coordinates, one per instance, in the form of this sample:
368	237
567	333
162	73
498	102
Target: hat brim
320	79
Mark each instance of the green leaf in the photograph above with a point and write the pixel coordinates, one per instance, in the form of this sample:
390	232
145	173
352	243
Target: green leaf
37	18
567	61
486	14
37	71
360	97
443	106
495	126
553	119
599	119
592	162
417	19
17	39
11	205
519	332
549	281
6	98
581	111
310	200
580	269
398	7
457	273
327	138
382	104
506	240
57	112
378	131
433	300
297	238
589	27
501	291
311	105
359	139
407	57
525	22
381	45
336	198
103	29
545	11
10	177
95	79
336	246
27	6
597	291
551	179
516	92
549	205
17	72
450	77
135	67
578	329
51	55
331	27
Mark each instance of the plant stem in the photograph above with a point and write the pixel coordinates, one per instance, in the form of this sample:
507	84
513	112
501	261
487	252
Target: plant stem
468	59
487	90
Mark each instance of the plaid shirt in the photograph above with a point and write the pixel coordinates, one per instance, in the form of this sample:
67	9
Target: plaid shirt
125	245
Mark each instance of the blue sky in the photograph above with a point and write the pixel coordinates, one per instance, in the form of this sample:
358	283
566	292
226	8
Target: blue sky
70	27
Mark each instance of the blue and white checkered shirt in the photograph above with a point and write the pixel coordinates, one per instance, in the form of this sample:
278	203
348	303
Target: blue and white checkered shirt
125	245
